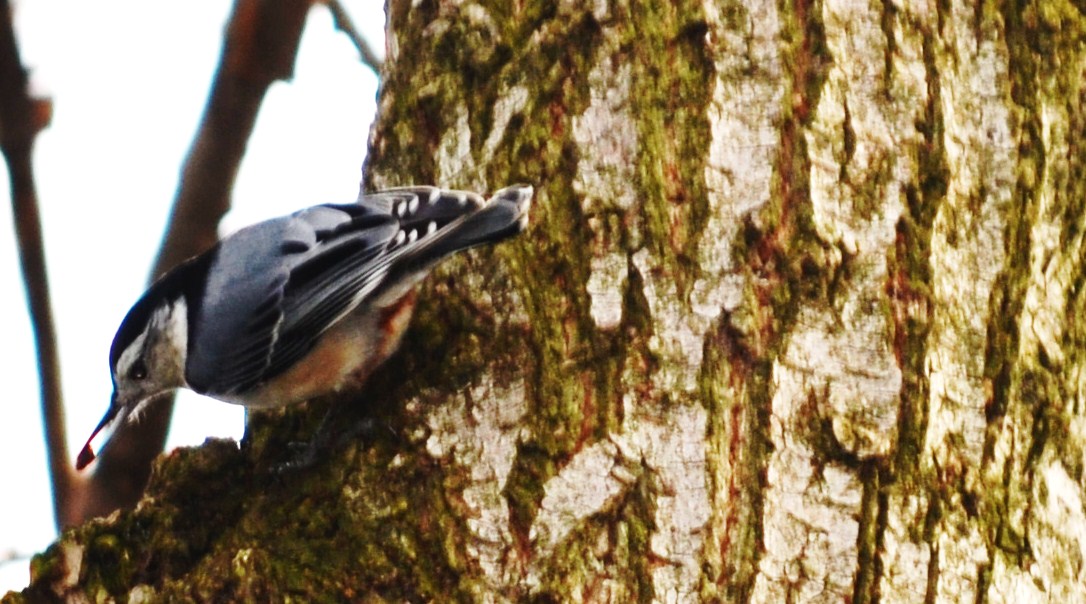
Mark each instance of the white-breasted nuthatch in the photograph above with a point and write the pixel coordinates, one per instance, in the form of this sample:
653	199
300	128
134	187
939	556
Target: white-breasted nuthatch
299	306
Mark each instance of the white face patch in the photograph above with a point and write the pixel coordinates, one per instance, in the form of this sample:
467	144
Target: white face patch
177	330
129	356
162	349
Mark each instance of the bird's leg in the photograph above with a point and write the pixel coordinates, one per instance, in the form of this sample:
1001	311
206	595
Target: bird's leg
305	455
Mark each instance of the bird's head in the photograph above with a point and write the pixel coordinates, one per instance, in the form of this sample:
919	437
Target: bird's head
147	358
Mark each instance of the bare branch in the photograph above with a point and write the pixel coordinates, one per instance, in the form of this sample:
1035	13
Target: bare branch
21	118
346	25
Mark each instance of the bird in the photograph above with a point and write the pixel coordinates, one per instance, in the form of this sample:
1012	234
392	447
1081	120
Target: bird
299	306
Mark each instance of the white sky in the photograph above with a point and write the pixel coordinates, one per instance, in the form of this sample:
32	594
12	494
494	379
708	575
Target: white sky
129	79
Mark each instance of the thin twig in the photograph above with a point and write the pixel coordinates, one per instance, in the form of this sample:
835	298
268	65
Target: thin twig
346	25
13	556
21	118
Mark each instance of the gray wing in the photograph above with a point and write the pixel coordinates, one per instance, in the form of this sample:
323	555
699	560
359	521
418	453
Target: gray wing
259	272
276	287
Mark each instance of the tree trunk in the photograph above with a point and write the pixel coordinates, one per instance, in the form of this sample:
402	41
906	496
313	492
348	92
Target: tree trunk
796	320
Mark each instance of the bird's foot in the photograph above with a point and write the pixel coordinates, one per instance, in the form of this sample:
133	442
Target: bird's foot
304	455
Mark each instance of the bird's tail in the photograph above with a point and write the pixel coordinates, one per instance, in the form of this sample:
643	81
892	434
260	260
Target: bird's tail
504	215
436	223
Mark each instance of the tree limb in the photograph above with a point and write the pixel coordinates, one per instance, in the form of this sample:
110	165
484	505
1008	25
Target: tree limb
21	118
346	25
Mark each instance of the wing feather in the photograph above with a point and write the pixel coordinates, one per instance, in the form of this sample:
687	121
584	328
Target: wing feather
278	265
276	287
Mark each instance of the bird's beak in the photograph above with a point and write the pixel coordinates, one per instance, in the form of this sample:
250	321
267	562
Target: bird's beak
115	415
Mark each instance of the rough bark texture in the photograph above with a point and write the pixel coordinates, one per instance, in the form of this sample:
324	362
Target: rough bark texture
797	321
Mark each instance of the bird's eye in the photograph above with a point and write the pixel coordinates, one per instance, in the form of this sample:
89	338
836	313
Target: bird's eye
138	370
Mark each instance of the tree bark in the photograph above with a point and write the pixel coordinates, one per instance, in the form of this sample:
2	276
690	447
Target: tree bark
796	320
